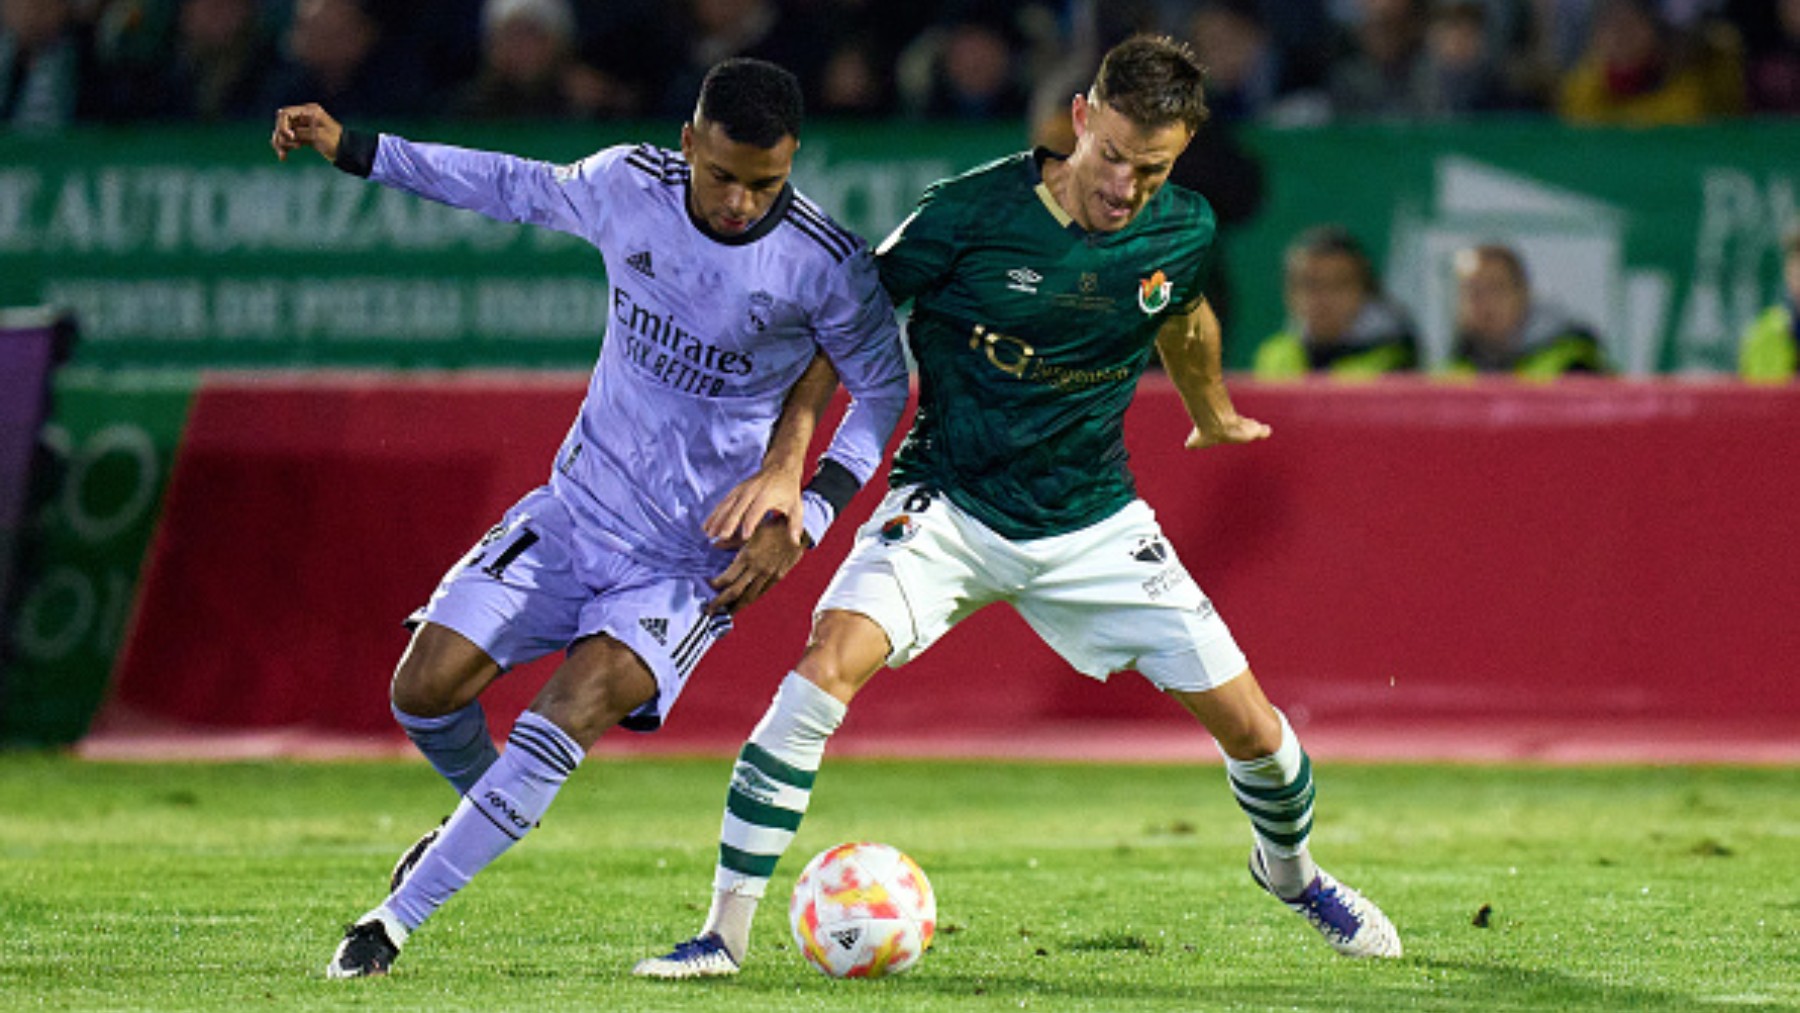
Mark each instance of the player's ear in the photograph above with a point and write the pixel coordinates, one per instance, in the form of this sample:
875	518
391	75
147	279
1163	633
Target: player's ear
687	141
1078	114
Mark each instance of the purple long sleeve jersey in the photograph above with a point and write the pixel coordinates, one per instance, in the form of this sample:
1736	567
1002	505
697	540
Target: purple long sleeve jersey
706	335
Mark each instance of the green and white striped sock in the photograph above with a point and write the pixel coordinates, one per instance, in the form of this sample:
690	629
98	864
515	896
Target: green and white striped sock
1276	792
770	789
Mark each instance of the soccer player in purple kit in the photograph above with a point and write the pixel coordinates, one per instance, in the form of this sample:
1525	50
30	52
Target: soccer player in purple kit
676	497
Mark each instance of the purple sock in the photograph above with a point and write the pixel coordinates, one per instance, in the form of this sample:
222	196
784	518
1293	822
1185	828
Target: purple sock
496	812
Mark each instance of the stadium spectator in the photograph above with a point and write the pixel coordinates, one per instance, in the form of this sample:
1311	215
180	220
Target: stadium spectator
48	75
334	56
1775	64
676	498
853	82
221	56
529	69
1382	73
718	29
1248	76
1461	75
1502	328
1639	69
1339	322
968	67
1767	351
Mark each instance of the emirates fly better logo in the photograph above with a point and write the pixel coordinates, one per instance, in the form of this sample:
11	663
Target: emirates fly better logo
1153	293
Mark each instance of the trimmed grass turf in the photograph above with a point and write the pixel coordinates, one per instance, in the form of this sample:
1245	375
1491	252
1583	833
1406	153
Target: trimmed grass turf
1061	887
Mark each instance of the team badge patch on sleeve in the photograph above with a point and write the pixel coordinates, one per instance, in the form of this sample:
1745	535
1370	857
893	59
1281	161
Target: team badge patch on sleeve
1153	293
898	529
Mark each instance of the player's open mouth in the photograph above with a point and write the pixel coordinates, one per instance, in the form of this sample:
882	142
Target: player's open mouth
1113	208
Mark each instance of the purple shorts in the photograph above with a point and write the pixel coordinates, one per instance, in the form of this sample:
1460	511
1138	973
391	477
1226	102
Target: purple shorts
535	584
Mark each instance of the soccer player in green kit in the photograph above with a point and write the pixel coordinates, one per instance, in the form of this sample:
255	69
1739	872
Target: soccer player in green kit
1039	284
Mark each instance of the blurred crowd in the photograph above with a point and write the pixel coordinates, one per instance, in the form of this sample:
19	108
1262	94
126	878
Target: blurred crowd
1270	61
1342	322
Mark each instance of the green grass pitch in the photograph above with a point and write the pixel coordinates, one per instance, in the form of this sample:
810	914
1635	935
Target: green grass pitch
1060	887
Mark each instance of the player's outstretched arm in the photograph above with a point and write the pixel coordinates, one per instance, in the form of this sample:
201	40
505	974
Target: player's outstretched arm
503	187
306	126
1190	347
775	488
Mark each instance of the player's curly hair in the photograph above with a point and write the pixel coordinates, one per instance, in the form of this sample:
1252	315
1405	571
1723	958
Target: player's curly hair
1153	80
754	101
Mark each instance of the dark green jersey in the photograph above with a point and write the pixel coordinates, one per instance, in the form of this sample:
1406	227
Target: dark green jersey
1030	335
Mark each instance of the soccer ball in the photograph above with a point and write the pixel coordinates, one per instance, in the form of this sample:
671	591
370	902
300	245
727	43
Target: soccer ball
862	910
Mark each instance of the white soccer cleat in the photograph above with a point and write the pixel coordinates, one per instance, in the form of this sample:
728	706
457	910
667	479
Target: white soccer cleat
1350	922
702	957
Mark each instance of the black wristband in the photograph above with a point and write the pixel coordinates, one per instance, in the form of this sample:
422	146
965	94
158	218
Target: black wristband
835	483
356	152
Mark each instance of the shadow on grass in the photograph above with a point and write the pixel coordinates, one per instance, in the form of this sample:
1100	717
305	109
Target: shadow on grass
1410	984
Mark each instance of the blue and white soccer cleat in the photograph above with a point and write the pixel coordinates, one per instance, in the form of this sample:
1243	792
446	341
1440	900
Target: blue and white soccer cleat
1350	922
702	957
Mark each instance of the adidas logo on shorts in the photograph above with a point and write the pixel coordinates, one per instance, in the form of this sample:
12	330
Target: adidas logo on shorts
658	628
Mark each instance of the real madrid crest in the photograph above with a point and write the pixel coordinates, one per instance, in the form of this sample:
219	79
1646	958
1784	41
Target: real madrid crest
762	308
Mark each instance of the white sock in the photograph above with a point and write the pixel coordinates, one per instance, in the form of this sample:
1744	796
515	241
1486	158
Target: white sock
770	789
1276	792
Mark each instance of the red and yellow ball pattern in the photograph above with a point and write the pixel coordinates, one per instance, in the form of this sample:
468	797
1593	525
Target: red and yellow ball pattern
862	910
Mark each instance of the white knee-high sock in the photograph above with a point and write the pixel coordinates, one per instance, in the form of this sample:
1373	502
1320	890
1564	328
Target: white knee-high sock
500	809
770	789
1276	792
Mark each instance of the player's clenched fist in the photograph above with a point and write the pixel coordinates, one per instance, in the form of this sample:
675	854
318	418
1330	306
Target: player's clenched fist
307	126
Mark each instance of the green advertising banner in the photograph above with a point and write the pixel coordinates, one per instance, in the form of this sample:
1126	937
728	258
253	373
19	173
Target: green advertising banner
1665	240
113	438
197	248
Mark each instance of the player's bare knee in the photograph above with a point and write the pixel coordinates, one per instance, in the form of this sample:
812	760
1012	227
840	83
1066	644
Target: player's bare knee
1237	715
600	683
440	672
843	653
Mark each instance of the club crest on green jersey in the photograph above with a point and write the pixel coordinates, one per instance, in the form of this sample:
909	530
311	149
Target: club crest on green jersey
1153	293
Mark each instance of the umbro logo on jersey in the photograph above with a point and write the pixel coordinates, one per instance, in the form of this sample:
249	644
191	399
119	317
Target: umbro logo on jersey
1024	279
640	262
658	628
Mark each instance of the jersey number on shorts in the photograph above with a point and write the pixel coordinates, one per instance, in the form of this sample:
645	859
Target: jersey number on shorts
526	539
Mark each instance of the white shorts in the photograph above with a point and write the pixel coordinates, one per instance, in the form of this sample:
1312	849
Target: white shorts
1109	597
535	585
